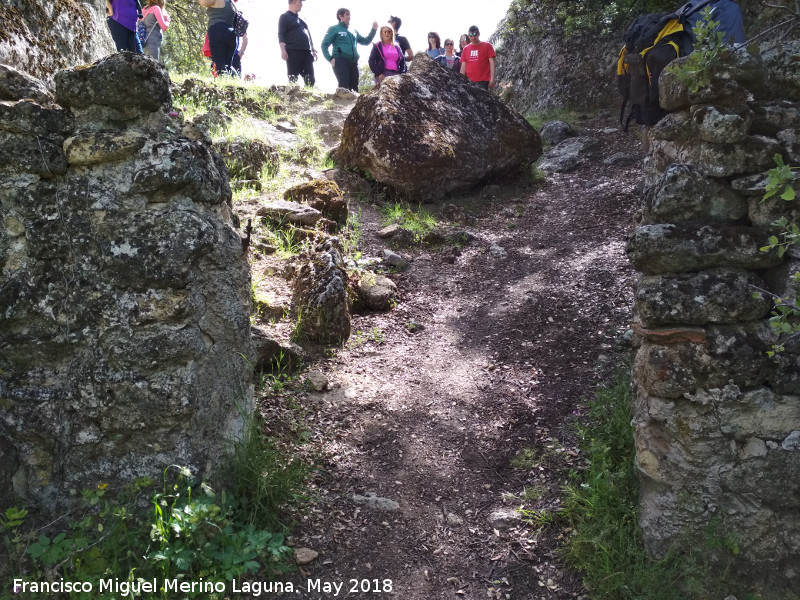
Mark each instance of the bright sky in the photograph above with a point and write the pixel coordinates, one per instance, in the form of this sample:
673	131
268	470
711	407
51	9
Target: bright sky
448	19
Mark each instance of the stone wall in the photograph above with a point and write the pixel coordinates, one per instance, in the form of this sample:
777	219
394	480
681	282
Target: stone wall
42	37
124	291
717	421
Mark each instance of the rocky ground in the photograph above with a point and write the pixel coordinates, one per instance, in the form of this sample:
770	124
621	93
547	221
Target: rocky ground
445	424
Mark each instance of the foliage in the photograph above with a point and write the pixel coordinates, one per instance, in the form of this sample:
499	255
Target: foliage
264	478
601	508
181	50
418	222
197	536
366	79
779	181
567	114
785	319
695	71
574	18
187	530
359	338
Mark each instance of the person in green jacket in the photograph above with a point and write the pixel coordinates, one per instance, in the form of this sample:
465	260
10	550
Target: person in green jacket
345	56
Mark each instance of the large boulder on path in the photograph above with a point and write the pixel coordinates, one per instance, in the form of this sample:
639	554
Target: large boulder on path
430	131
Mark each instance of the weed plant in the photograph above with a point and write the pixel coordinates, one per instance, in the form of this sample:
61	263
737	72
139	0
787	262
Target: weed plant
264	478
567	114
418	222
601	508
176	528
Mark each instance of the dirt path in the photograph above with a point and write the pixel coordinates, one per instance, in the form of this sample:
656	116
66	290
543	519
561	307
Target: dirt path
466	420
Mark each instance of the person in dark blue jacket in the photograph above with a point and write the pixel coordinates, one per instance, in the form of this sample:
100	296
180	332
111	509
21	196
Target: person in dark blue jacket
297	49
729	16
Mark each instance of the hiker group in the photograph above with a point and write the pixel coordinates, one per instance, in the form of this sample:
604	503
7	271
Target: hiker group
651	42
389	56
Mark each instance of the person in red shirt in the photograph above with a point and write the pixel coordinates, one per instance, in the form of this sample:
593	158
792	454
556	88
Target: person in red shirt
477	60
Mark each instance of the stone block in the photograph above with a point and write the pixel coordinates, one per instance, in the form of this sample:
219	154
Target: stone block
731	353
686	247
683	194
713	296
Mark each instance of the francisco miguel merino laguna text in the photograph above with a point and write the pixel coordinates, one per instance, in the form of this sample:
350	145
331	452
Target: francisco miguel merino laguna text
255	588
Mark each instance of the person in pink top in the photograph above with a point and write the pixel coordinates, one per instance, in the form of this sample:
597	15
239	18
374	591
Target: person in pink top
386	58
156	20
477	60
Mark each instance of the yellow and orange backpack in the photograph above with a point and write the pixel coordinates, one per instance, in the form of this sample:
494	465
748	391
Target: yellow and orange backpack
651	42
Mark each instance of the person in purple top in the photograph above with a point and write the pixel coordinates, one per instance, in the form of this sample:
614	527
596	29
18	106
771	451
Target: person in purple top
386	58
122	17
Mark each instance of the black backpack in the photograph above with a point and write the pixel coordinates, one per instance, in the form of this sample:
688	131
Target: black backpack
651	43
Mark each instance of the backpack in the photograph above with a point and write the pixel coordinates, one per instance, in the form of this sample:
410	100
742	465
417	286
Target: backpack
651	43
239	23
141	32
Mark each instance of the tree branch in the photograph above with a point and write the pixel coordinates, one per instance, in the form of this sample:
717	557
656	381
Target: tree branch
794	11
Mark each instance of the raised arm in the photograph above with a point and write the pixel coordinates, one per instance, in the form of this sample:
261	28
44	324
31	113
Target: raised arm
366	40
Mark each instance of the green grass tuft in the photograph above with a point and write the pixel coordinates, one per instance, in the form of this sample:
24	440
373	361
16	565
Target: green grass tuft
602	505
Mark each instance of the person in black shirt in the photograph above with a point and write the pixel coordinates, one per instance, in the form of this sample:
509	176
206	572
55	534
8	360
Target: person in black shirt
297	49
401	40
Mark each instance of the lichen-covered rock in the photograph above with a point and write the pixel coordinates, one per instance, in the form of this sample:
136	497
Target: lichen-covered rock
283	211
246	158
780	65
376	292
735	353
675	126
717	409
752	154
125	81
125	295
554	132
699	457
95	147
568	154
430	132
320	299
770	118
714	296
791	145
274	355
26	117
673	95
764	213
18	85
31	154
686	247
683	194
323	195
722	124
541	72
40	37
182	167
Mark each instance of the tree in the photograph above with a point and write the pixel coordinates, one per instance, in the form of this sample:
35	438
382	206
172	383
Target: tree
181	51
